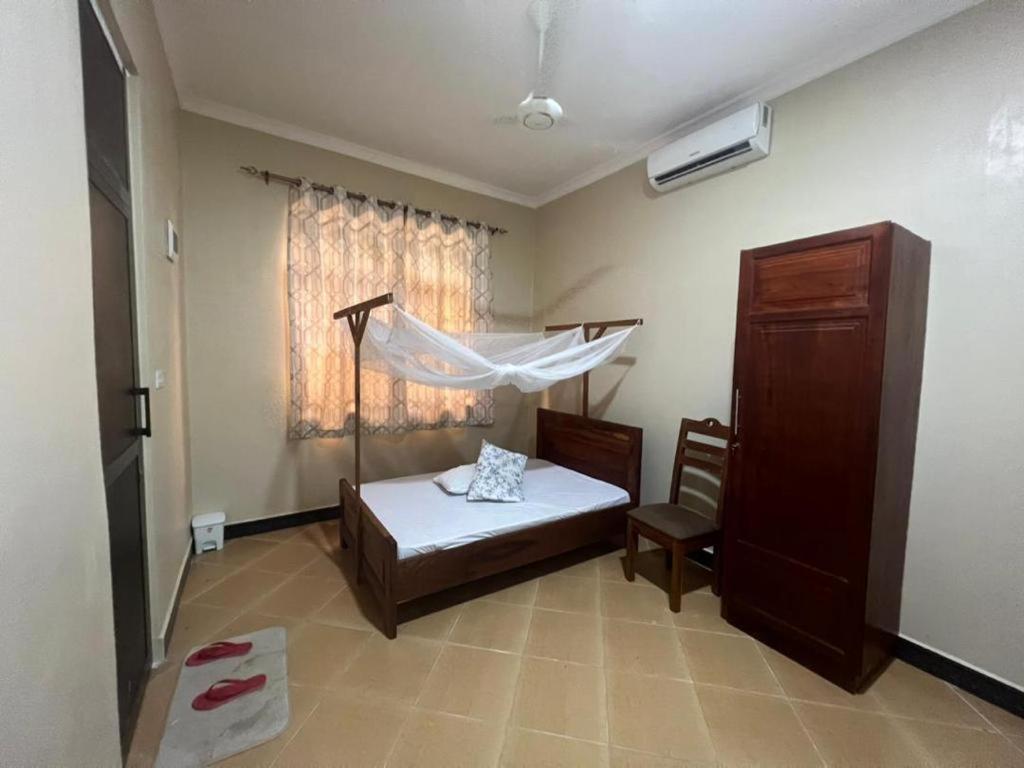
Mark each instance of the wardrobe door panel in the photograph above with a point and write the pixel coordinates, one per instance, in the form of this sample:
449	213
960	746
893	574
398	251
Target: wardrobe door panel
833	277
803	432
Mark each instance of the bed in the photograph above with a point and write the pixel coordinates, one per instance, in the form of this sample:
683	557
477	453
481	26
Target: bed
410	539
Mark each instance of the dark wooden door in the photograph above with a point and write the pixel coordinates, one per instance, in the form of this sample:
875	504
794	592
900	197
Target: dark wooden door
121	420
806	373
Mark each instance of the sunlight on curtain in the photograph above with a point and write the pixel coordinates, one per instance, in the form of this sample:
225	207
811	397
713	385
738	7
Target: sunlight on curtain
342	251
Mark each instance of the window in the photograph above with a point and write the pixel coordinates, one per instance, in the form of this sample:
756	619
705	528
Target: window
341	251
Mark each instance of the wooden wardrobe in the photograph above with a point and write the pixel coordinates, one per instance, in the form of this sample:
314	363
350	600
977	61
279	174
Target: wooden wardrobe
827	377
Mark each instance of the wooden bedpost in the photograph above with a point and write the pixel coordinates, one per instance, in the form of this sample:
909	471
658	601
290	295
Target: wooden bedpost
599	327
357	316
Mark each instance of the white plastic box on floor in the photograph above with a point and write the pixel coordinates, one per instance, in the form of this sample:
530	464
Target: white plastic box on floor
208	531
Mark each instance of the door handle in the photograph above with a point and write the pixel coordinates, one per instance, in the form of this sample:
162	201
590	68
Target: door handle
735	444
736	413
146	431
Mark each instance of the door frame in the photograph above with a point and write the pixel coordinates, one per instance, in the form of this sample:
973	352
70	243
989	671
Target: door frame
132	207
140	271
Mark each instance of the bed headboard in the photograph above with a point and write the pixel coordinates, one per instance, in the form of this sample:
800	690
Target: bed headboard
600	449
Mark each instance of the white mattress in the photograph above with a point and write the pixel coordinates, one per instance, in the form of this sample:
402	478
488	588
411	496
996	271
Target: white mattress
423	518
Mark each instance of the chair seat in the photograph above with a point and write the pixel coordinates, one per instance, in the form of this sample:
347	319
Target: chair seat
673	520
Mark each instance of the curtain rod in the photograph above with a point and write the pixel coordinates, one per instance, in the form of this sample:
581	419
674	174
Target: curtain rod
294	181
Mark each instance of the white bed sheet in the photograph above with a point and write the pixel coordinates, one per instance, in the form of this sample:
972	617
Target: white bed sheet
423	518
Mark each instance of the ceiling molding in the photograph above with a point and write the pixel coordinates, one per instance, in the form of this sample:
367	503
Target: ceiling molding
809	70
218	111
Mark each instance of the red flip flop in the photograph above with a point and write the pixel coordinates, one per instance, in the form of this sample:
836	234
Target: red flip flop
224	691
215	651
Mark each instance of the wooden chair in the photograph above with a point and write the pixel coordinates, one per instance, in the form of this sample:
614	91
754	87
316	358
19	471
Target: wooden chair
678	528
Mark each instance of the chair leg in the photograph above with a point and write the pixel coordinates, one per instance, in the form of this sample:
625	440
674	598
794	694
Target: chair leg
675	594
716	570
631	544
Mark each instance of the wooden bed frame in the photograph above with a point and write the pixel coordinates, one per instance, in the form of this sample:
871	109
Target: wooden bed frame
600	449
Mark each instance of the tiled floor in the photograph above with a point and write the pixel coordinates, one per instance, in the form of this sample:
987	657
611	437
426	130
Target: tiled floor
566	664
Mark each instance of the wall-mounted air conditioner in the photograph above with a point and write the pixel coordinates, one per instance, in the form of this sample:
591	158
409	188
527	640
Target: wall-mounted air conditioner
736	140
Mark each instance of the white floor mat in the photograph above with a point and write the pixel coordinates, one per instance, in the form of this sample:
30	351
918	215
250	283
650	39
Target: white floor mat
194	738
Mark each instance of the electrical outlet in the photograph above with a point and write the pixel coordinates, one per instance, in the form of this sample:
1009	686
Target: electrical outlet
159	379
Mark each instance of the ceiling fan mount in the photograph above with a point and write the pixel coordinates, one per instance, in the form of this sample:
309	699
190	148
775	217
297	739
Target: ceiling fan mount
539	113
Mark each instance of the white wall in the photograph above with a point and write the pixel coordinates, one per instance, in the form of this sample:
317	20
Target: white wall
235	249
57	680
928	133
160	290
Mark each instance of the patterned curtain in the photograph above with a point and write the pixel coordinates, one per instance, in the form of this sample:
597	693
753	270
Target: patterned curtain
342	251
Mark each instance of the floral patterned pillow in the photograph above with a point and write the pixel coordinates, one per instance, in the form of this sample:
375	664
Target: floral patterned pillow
499	475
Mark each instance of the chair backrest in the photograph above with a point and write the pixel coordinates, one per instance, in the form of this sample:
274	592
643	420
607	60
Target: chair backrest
705	488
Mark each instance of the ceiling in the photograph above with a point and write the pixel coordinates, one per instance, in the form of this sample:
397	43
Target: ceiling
418	85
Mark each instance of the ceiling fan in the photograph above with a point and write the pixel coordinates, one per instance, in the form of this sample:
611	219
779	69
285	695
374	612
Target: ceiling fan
538	111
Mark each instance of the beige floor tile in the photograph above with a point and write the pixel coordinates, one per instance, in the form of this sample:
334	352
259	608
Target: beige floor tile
610	567
241	589
324	567
565	636
139	760
658	715
1005	722
751	729
558	697
345	610
317	652
634	602
433	626
627	758
471	682
253	621
390	669
650	569
202	576
950	746
906	691
156	701
435	740
846	737
323	536
302	702
277	537
499	626
568	593
195	624
702	610
345	732
290	557
237	552
645	648
798	682
518	594
727	660
586	569
526	749
298	597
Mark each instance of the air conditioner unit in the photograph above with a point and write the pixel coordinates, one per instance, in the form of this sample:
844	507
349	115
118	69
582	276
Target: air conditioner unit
736	140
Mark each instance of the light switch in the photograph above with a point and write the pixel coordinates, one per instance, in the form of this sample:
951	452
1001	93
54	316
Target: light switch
159	379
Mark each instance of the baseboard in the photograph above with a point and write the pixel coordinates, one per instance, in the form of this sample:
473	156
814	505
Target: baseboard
963	676
159	650
290	520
